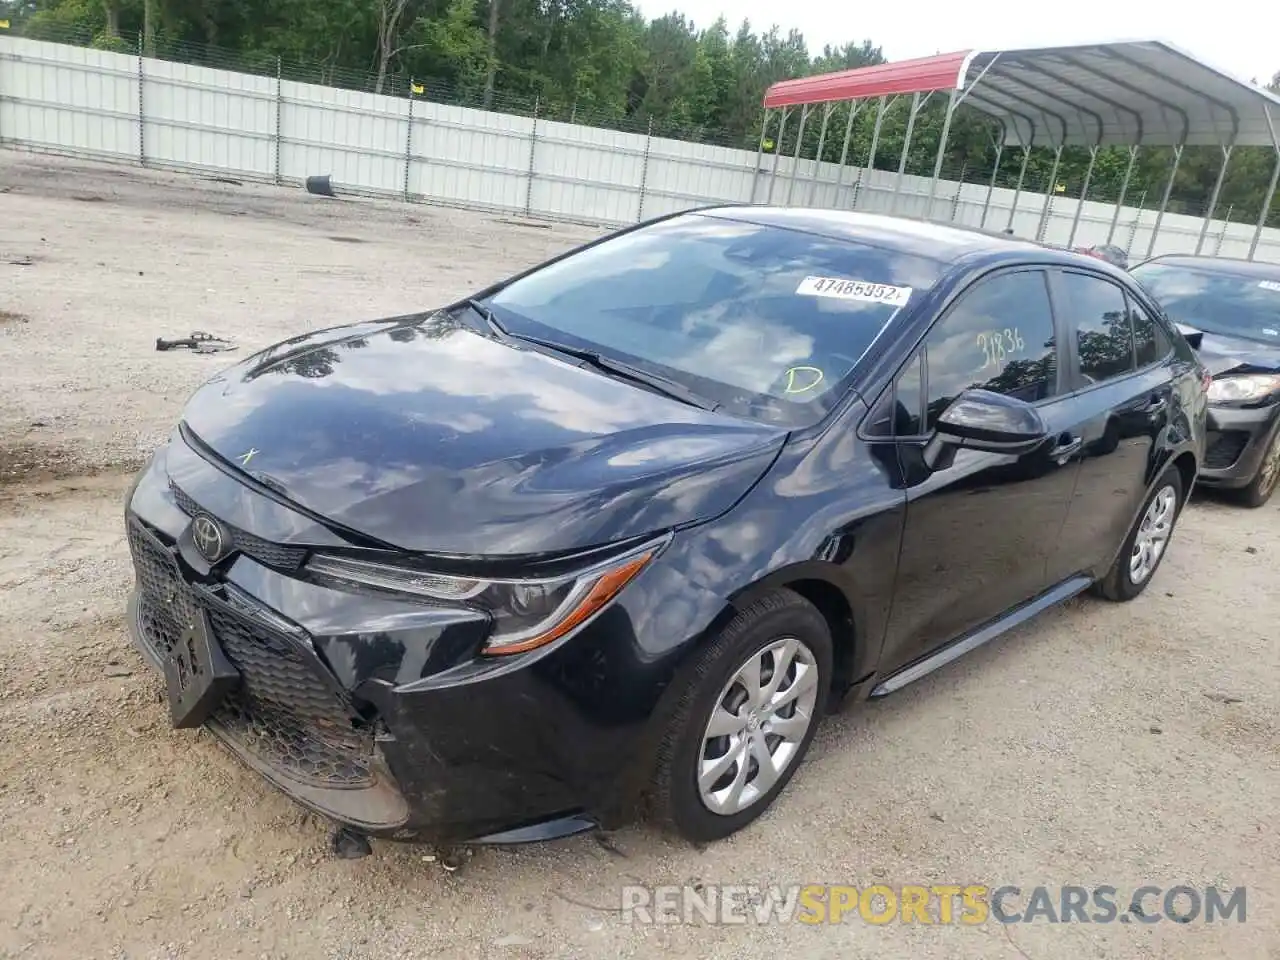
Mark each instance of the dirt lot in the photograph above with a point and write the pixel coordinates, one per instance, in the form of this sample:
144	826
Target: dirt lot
1102	744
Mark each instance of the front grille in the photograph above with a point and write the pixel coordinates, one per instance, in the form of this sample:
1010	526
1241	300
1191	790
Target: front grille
284	712
264	551
1224	448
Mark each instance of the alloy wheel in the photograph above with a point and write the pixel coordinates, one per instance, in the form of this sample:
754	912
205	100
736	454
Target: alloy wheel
1153	534
757	726
1269	471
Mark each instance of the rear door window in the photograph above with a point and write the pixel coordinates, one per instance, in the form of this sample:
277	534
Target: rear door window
1098	316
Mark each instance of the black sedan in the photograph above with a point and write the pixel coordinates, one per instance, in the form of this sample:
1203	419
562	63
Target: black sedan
1230	312
613	535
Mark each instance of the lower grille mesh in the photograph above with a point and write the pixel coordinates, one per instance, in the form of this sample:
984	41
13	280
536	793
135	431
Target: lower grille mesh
283	712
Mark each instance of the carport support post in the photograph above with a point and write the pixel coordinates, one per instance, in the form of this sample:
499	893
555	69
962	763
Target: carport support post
795	160
875	143
817	161
1017	190
755	171
1213	197
1271	188
1084	195
1164	200
1048	196
1266	207
995	169
906	144
777	150
1124	188
854	106
942	150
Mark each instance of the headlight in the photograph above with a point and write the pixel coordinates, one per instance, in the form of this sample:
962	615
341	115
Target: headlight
526	613
1243	389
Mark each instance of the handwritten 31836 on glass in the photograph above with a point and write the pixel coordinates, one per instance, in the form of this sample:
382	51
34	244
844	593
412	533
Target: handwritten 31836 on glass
999	345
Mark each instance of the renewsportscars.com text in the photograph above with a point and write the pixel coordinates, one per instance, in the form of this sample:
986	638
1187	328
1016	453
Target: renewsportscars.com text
962	904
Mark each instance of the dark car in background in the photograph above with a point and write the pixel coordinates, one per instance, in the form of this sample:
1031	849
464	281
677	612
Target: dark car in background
1229	310
613	535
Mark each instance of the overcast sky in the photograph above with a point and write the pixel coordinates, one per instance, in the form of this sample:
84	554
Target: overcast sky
1229	35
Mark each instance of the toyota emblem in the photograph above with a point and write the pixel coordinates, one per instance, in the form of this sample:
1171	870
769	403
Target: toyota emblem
207	535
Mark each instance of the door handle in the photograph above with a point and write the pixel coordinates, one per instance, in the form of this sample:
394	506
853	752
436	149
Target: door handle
1156	405
1068	446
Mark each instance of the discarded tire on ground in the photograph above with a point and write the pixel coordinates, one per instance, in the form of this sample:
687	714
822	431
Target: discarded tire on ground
320	186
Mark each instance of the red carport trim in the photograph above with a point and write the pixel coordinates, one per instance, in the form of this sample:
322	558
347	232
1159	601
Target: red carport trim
923	75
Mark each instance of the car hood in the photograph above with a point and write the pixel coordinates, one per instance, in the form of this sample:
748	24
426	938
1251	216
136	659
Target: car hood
427	436
1223	354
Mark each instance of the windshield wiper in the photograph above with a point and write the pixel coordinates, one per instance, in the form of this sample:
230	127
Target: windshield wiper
663	385
490	320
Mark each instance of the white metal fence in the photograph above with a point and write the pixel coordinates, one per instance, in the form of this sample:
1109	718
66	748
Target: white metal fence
113	106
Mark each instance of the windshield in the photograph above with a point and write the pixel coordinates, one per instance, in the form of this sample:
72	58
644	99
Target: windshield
1215	302
766	321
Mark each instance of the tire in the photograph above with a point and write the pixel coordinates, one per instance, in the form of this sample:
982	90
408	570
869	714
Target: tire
1120	583
777	623
1263	484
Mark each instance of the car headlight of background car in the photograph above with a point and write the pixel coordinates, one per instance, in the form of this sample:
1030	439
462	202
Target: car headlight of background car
526	613
1245	388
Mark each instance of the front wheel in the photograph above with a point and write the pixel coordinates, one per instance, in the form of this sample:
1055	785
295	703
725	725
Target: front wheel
1263	484
745	720
1146	543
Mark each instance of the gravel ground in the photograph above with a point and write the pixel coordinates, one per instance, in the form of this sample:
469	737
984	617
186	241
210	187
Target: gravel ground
1102	744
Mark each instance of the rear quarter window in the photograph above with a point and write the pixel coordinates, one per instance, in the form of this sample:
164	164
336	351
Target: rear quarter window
1152	342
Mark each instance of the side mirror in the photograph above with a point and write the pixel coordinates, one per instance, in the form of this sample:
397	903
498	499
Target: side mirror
982	420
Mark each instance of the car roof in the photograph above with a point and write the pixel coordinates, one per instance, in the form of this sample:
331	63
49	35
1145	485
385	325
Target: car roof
1250	269
935	241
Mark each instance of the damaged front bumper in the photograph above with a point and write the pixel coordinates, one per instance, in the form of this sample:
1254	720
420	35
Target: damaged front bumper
367	709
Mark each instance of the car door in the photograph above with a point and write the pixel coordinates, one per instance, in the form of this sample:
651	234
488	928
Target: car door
979	532
1121	393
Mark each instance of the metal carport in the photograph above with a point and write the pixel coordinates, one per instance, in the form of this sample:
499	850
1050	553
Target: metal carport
1133	94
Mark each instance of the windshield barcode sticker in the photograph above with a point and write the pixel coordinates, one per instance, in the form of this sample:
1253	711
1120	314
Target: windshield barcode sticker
1272	285
840	288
